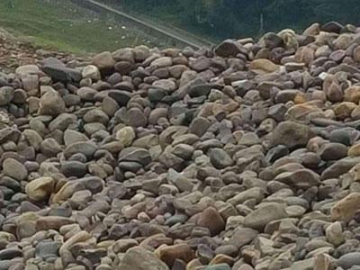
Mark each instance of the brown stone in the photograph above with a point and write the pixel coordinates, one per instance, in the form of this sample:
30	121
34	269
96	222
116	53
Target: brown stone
211	219
305	55
354	151
169	254
345	209
352	94
263	65
52	223
344	110
221	258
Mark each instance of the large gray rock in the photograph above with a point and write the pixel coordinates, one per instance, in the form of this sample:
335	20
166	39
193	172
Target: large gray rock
300	179
15	169
86	148
59	72
219	158
340	167
291	134
51	103
259	218
349	260
242	237
135	154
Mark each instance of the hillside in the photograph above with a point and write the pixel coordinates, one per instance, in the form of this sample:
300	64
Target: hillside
68	27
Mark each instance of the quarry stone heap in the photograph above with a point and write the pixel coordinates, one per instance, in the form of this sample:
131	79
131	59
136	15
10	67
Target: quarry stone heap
242	157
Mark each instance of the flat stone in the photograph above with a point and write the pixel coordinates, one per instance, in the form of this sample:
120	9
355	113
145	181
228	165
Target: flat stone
259	218
307	264
333	151
8	254
52	223
135	154
73	168
349	260
62	122
86	148
229	48
291	134
242	237
340	167
300	179
87	93
59	72
73	136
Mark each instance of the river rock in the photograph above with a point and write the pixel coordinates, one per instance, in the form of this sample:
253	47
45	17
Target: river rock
126	136
104	61
219	158
141	259
51	103
212	220
40	189
6	95
291	134
345	209
349	260
170	254
15	169
259	218
334	234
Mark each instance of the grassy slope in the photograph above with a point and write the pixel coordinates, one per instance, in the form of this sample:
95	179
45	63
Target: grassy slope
63	25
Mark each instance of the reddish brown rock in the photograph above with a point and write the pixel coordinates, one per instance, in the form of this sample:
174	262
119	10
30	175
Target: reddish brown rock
169	254
211	219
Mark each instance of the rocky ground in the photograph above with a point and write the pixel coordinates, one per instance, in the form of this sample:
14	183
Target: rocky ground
245	157
17	51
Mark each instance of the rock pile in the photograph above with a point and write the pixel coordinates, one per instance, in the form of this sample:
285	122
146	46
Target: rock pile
244	157
19	51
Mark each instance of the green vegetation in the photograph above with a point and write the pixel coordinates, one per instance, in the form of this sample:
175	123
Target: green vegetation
68	27
220	19
63	25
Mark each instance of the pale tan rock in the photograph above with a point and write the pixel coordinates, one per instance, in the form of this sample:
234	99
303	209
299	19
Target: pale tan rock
345	209
126	136
263	65
40	189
